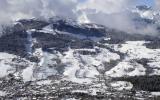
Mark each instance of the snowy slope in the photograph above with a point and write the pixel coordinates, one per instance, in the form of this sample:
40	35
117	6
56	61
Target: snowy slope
62	55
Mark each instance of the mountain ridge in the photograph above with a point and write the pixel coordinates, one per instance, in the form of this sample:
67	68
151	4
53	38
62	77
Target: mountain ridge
61	57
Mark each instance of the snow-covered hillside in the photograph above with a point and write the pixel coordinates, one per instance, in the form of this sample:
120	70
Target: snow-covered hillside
59	56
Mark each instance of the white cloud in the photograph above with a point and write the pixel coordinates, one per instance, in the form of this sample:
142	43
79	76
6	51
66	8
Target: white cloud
12	10
106	12
114	14
105	6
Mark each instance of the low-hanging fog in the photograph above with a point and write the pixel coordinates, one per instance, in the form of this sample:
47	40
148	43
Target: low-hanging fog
111	13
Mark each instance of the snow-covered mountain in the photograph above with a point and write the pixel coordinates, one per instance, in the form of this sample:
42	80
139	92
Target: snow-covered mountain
60	58
147	15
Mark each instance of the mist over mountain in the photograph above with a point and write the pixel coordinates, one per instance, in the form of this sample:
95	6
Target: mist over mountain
79	50
111	13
